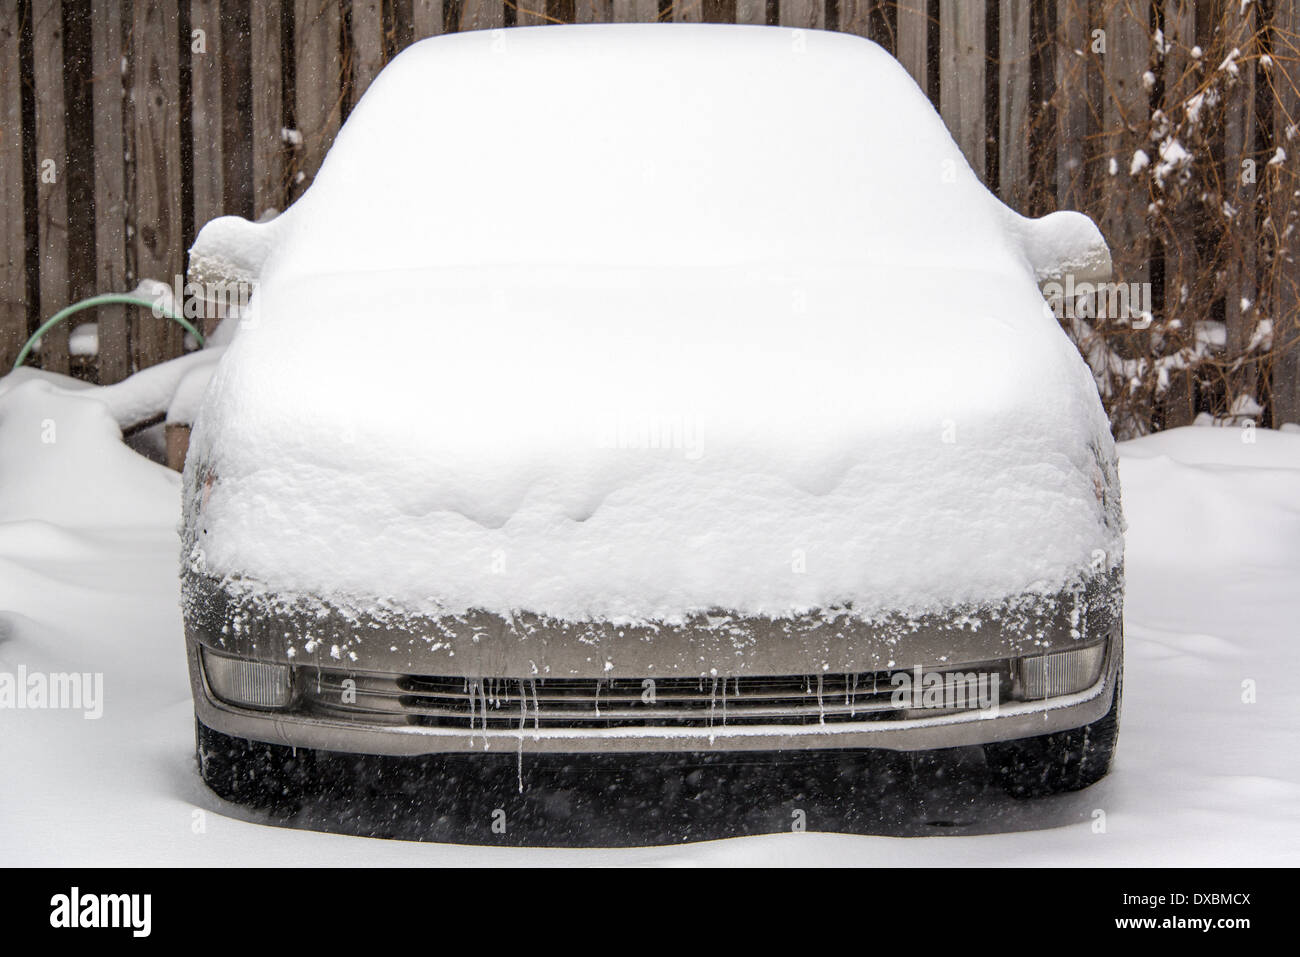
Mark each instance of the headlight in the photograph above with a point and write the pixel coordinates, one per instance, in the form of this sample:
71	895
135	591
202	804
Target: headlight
1062	672
249	684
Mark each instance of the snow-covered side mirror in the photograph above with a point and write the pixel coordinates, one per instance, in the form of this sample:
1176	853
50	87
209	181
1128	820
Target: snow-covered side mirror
1063	248
230	249
226	262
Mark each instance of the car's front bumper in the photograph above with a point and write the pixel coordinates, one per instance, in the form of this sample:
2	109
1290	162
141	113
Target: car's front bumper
382	658
1010	721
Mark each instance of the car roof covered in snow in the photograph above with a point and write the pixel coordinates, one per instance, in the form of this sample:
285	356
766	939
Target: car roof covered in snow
645	145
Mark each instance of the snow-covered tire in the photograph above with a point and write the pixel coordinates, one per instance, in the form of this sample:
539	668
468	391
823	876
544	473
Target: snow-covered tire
252	773
1055	763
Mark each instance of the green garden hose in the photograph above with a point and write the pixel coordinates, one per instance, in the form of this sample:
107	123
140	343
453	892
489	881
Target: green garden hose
102	300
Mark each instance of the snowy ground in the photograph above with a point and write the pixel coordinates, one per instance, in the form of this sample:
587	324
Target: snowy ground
88	553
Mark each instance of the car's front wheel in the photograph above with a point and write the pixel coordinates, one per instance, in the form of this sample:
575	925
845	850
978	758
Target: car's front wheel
1054	763
266	776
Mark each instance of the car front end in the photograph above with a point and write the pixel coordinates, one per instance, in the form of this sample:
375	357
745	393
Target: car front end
299	676
716	468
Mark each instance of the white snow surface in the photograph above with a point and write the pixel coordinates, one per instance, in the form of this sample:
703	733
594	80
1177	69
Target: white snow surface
88	583
174	388
732	351
84	340
63	466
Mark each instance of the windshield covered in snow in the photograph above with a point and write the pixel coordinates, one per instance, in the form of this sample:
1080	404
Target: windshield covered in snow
649	147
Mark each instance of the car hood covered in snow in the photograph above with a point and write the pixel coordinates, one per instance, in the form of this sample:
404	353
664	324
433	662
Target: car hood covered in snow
636	322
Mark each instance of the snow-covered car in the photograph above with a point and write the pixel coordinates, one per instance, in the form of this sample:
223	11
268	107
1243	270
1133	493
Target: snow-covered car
645	388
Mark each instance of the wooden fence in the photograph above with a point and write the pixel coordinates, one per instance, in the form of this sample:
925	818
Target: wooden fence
125	125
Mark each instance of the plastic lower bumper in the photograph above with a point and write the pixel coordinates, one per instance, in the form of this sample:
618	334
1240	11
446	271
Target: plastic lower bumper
1008	721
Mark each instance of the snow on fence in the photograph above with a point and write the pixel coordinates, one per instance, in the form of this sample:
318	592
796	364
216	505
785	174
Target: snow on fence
127	124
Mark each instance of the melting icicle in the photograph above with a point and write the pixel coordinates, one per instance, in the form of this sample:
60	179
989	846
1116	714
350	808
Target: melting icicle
523	723
821	707
469	696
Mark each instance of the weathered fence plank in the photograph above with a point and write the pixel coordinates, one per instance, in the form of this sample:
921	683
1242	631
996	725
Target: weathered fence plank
79	135
1239	176
594	11
855	17
530	13
687	11
268	114
749	11
638	11
159	231
482	15
1283	213
368	44
237	108
318	89
1179	28
1125	118
719	11
1181	261
558	11
205	114
427	17
913	40
13	242
1071	102
1015	46
961	80
1181	78
398	27
110	187
809	14
52	179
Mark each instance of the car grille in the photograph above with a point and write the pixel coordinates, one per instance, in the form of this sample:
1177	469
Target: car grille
508	703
